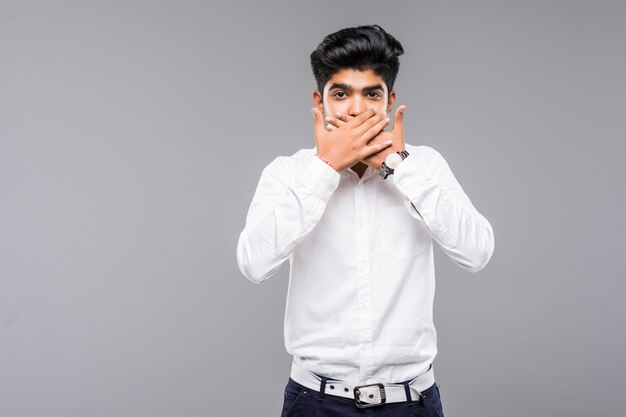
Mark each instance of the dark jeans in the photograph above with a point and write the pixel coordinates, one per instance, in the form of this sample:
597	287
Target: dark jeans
301	401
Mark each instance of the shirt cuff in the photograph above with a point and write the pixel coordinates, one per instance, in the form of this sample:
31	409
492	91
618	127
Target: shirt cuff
320	178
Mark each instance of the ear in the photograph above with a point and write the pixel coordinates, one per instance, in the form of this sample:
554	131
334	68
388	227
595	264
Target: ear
318	101
392	101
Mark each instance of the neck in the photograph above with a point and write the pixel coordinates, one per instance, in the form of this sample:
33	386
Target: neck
359	168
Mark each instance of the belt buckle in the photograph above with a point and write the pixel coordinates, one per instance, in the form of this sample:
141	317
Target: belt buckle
361	404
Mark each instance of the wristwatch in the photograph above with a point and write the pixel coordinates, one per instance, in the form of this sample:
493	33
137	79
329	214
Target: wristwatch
391	162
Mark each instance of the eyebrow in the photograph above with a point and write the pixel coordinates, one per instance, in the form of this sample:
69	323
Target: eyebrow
343	86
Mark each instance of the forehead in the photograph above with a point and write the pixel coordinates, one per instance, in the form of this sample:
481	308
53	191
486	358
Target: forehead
355	78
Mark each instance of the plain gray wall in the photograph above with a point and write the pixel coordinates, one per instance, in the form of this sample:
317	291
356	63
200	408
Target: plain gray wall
132	136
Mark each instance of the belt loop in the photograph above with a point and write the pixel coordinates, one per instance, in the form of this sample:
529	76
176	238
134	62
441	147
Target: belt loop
407	391
322	387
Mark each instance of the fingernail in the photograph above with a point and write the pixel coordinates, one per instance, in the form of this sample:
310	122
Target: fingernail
386	119
313	111
327	119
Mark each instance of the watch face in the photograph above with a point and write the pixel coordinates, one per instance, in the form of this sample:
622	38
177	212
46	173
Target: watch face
393	160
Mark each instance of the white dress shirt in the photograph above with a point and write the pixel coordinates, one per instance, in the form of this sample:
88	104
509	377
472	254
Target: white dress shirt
362	276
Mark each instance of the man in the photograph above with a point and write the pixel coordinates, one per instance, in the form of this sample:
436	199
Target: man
357	216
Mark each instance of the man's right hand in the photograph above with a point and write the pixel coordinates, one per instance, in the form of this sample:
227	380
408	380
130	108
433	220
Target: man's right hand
348	144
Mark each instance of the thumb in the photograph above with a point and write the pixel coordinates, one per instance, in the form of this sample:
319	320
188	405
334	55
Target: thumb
399	118
319	122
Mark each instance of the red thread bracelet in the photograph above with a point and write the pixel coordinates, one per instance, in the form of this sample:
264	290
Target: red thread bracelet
324	159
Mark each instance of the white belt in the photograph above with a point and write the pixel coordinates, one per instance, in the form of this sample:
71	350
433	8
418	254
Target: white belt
365	395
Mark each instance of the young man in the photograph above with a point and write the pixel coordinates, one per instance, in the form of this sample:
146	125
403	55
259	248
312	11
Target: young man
357	216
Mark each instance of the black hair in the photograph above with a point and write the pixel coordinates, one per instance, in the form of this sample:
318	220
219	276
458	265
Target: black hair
360	48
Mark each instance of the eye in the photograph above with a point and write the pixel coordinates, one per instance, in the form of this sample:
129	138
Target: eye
339	92
376	95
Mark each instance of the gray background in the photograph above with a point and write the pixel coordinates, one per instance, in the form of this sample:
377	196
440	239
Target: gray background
132	136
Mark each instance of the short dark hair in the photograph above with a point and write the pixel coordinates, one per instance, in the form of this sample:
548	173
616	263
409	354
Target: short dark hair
360	48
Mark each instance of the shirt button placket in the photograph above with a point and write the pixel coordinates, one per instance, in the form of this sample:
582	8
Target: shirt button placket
363	279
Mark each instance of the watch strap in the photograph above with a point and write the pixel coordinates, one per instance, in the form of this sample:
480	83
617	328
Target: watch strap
385	171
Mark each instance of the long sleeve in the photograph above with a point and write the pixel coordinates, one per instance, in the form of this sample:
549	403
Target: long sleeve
289	201
464	234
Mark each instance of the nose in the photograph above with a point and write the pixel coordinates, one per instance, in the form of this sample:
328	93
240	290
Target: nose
356	106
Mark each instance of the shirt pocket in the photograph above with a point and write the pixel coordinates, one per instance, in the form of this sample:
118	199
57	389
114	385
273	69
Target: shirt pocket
401	235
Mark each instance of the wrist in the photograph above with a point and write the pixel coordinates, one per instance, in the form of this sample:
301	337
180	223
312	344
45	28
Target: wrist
391	161
326	161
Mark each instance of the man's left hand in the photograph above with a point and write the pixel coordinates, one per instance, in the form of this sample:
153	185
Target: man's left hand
396	135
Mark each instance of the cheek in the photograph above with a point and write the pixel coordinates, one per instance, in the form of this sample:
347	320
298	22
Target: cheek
336	107
382	107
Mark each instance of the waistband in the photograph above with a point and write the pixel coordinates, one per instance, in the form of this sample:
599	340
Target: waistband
365	395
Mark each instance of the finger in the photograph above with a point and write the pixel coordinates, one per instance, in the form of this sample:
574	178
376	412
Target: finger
362	118
335	121
319	122
399	119
373	127
345	117
372	149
